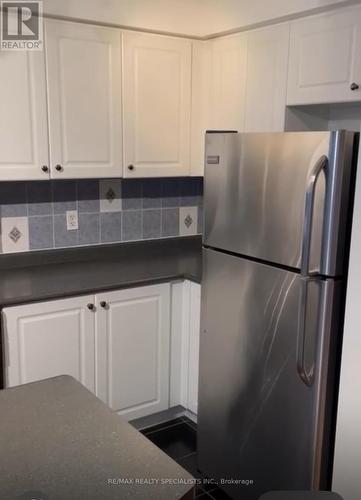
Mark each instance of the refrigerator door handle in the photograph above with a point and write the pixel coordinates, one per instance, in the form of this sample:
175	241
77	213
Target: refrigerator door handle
307	378
320	166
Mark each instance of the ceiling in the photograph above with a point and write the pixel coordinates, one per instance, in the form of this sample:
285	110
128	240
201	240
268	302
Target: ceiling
197	18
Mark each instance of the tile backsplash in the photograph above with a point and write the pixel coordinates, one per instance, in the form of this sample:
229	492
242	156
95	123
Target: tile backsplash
34	214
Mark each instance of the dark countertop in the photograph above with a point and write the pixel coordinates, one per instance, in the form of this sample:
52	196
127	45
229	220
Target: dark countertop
36	276
58	441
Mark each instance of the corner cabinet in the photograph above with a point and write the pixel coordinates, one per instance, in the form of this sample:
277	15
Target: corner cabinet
84	96
229	61
24	151
249	80
132	346
201	103
325	55
266	80
156	105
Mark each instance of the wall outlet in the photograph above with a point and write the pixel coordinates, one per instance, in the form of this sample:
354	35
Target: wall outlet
72	220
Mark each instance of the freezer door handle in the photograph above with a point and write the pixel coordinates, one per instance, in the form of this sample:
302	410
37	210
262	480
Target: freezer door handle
320	166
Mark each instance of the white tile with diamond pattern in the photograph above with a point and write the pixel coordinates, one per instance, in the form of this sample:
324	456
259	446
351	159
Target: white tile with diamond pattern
14	234
188	221
110	195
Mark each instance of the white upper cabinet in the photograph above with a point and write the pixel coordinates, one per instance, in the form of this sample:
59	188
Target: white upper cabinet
48	339
201	103
132	352
23	120
84	96
156	105
228	83
266	80
325	55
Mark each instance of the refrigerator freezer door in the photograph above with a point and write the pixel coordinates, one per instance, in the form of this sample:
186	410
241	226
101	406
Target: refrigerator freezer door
258	419
255	196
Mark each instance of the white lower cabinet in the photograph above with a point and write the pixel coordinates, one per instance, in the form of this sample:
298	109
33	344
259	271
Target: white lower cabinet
137	349
132	346
116	344
48	339
185	335
194	337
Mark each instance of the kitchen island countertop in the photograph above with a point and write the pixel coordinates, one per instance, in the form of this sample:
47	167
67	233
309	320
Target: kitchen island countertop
58	441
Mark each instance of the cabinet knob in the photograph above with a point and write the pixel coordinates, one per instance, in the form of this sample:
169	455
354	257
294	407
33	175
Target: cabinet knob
58	168
91	307
45	168
354	86
131	167
103	304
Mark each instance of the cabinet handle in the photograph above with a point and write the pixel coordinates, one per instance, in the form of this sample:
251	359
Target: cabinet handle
45	168
131	167
91	307
59	168
103	304
354	86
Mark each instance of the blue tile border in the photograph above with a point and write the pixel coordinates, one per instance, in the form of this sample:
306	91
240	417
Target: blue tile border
39	198
64	196
88	196
149	209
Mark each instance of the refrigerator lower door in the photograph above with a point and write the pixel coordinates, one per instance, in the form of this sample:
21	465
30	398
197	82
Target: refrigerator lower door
265	368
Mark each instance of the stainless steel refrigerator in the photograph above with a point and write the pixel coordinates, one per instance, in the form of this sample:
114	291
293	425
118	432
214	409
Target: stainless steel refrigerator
277	224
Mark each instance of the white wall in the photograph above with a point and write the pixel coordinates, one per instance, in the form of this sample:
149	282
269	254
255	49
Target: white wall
175	16
347	466
229	14
189	17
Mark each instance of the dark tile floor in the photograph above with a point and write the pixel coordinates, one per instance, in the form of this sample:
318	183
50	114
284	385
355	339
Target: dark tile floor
178	439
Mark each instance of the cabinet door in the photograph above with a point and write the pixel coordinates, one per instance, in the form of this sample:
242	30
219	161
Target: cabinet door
157	102
23	120
228	83
185	335
266	86
325	54
84	92
48	339
201	103
132	350
194	335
